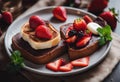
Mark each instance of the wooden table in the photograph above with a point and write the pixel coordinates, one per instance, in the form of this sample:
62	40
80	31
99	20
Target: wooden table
113	77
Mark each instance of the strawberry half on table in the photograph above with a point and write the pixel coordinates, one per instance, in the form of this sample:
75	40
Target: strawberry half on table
59	12
111	17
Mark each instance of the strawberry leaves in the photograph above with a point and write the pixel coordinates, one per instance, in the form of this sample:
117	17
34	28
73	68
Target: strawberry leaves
115	13
105	34
16	62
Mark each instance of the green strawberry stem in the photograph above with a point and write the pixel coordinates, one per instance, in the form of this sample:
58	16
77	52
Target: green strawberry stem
116	14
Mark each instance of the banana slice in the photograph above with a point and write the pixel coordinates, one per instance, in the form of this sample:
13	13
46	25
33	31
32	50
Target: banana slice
29	35
92	26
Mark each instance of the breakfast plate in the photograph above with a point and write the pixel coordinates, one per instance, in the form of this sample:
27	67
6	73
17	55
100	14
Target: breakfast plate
46	14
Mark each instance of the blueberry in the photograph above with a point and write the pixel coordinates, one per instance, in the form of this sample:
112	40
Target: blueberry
80	34
72	33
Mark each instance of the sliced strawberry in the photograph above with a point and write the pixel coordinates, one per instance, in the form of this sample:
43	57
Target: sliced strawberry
43	32
81	62
79	24
97	6
71	39
87	19
83	41
111	17
67	31
7	17
60	13
66	67
88	33
35	21
54	66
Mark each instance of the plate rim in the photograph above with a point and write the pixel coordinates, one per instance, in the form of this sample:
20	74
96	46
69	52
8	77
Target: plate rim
66	73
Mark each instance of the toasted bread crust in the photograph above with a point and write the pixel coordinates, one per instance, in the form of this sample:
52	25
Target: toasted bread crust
86	51
39	59
82	52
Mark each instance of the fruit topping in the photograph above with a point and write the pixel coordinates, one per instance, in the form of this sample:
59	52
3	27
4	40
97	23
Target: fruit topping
79	24
66	67
71	39
87	19
60	13
67	31
92	26
81	62
83	41
54	66
35	21
80	34
7	17
72	33
111	17
43	32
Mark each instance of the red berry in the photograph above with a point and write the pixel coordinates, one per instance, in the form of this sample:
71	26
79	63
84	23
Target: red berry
79	25
71	39
60	13
97	6
43	32
35	21
67	31
81	62
110	17
83	41
7	17
54	66
87	19
66	67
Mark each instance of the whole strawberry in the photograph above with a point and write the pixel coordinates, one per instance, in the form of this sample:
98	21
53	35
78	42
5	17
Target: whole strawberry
97	6
110	17
43	32
35	21
7	17
79	24
60	13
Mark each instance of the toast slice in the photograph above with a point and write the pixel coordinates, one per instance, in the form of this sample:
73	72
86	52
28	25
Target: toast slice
37	50
74	52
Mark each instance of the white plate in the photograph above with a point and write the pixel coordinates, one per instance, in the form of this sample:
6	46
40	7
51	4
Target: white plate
46	14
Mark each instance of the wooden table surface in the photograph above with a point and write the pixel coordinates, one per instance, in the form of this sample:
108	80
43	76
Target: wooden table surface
113	77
